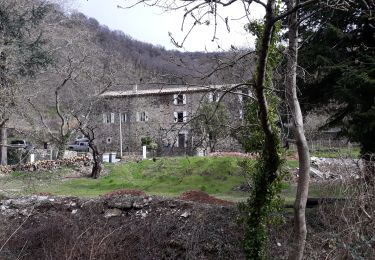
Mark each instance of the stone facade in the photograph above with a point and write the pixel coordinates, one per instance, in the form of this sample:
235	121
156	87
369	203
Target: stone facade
165	116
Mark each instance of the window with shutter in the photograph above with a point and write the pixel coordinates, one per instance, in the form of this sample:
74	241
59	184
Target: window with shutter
142	117
179	99
123	117
112	118
179	117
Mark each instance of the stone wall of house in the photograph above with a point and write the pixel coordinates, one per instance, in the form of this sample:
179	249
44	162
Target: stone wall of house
155	116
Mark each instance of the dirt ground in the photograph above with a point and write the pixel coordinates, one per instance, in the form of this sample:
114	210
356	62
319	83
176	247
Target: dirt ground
117	226
129	224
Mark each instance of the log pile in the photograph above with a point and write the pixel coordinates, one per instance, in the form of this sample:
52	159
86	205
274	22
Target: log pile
47	165
5	169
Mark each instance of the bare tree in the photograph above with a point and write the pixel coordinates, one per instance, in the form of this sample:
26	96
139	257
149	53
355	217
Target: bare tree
21	53
81	72
300	230
210	124
90	131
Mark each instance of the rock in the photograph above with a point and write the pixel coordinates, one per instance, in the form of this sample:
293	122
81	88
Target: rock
112	213
172	204
142	213
123	204
74	211
41	198
186	214
139	204
93	206
72	204
316	173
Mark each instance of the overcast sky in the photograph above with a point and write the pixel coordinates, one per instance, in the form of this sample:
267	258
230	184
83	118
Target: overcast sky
152	25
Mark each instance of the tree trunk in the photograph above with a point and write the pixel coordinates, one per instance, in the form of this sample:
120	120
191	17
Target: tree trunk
61	148
98	162
256	230
270	138
300	230
3	148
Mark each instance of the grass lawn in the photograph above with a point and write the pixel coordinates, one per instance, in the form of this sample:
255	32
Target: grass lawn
337	153
166	176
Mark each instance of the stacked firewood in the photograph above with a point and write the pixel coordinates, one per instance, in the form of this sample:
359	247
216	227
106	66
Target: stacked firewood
48	165
5	169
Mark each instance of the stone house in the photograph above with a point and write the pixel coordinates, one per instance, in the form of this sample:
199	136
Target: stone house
165	115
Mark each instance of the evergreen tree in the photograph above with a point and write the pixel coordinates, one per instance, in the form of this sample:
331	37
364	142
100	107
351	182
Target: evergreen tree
338	54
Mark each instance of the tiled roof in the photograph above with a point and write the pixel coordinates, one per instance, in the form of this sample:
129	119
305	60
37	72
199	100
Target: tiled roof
165	90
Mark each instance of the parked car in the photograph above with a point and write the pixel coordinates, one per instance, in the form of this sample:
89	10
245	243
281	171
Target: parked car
21	144
79	146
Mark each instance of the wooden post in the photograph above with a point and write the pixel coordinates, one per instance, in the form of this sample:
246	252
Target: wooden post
3	148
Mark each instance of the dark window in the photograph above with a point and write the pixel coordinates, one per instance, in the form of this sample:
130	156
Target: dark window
181	140
180	117
123	117
180	99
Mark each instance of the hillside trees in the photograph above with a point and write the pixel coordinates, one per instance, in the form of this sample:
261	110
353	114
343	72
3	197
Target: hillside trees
22	53
81	72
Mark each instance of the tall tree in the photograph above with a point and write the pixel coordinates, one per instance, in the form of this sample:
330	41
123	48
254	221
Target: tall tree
338	54
300	230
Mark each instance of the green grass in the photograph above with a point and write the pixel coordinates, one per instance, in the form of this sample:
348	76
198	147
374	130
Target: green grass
165	176
337	153
30	182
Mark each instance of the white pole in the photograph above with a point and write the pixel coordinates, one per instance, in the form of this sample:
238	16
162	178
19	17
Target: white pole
120	136
144	152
